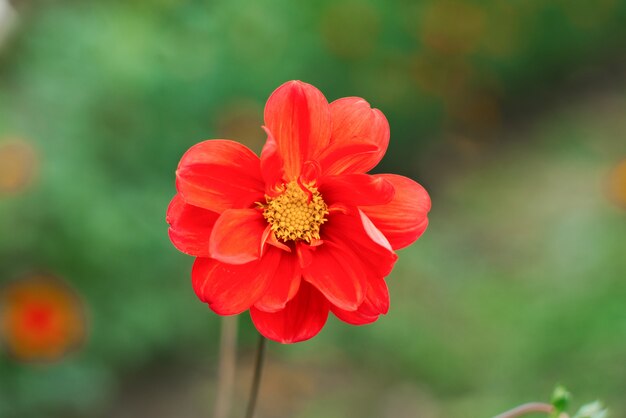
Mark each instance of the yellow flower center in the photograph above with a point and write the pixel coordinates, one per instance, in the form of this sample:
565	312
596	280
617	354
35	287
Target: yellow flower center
296	214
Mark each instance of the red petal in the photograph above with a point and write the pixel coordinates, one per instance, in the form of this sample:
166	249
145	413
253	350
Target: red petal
304	253
299	117
356	190
375	255
355	317
377	298
376	303
283	286
405	218
271	164
368	244
303	317
220	174
190	227
338	274
359	137
269	238
237	236
231	289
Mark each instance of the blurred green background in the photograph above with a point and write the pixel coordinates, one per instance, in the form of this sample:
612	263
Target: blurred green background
511	113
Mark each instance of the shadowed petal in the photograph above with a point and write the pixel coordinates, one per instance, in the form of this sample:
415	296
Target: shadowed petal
284	285
271	164
220	174
303	317
374	253
190	227
298	116
338	274
376	303
405	218
371	248
237	236
359	138
231	289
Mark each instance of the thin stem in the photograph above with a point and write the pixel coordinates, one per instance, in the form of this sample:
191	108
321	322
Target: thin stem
226	367
256	380
527	408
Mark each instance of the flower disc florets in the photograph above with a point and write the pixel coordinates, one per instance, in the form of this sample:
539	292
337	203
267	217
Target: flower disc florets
297	213
302	230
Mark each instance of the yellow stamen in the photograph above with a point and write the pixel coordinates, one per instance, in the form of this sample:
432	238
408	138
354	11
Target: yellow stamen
295	214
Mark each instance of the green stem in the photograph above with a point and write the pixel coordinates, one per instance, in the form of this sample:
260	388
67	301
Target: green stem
226	367
256	380
529	408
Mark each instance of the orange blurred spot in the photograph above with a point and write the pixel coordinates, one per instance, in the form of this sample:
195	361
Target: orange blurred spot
442	77
452	26
41	319
18	165
240	121
475	112
617	184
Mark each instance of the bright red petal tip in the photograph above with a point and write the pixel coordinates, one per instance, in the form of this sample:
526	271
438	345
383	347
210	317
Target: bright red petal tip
303	317
359	138
376	303
298	116
405	218
220	174
231	289
190	227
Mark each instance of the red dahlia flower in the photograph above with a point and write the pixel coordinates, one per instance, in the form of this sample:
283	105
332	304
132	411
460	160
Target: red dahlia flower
302	230
41	319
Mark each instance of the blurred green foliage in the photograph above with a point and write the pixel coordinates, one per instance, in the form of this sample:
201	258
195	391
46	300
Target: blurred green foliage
517	284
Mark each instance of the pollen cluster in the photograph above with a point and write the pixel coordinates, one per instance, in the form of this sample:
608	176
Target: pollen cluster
296	214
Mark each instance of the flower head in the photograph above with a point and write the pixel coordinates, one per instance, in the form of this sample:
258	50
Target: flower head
303	230
41	318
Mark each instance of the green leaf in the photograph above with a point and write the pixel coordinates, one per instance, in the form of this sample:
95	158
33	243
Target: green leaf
560	400
592	410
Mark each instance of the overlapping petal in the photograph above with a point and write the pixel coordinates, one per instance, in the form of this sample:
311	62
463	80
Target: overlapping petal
272	165
338	274
303	317
298	116
405	218
376	303
359	138
283	286
290	284
232	289
237	236
220	174
373	252
190	227
356	190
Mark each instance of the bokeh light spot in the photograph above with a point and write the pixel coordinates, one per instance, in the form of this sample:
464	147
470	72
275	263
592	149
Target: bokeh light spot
18	165
41	319
452	27
617	184
239	120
